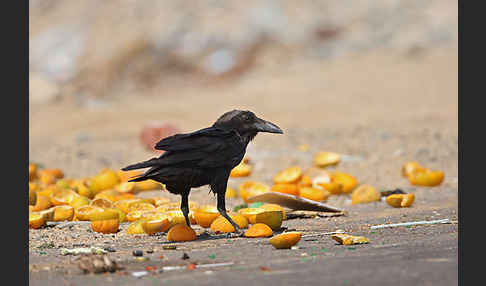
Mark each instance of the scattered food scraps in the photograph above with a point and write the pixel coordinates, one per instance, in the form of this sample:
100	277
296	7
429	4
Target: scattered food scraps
428	178
285	240
259	230
314	194
154	226
241	170
324	159
205	215
181	232
135	227
274	207
250	213
421	176
272	218
251	188
347	239
411	167
288	176
231	193
221	224
347	181
105	225
365	194
36	220
291	189
400	200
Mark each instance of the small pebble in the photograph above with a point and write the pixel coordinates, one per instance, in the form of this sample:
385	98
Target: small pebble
150	251
139	273
109	249
137	253
185	256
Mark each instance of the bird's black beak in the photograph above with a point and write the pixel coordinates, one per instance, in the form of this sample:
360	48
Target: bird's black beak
265	126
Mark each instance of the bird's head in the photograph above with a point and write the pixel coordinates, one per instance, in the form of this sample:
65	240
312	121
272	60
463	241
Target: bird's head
246	123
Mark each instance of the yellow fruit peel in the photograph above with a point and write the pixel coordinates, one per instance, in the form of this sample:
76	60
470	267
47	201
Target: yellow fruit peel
285	240
347	239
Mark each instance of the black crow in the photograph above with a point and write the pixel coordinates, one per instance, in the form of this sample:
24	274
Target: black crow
204	157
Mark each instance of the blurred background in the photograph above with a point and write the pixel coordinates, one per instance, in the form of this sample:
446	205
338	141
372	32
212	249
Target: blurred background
347	76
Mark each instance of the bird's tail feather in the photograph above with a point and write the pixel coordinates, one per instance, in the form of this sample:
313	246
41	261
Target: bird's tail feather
139	178
145	164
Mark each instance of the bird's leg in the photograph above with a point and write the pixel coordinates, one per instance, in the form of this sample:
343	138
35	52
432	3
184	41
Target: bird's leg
185	207
222	211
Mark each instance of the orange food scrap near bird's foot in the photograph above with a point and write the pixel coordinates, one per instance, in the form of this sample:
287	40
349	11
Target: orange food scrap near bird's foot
181	232
274	207
205	215
285	240
221	224
259	230
151	227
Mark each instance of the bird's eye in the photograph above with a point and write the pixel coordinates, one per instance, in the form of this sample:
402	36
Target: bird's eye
246	118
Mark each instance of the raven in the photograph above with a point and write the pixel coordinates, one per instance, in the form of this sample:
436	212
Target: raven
204	157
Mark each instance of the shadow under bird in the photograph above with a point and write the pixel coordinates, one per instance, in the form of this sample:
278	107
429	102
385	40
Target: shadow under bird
204	157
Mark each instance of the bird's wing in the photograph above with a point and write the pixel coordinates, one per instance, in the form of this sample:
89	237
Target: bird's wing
207	148
206	138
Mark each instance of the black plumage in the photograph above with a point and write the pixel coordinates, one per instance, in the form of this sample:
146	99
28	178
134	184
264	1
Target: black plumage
204	157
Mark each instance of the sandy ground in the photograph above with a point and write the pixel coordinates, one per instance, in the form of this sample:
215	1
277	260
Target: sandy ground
381	108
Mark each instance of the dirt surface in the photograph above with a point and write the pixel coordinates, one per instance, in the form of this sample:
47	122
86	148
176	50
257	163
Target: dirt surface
381	109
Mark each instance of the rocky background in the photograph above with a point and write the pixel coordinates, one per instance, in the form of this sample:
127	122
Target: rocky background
111	48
